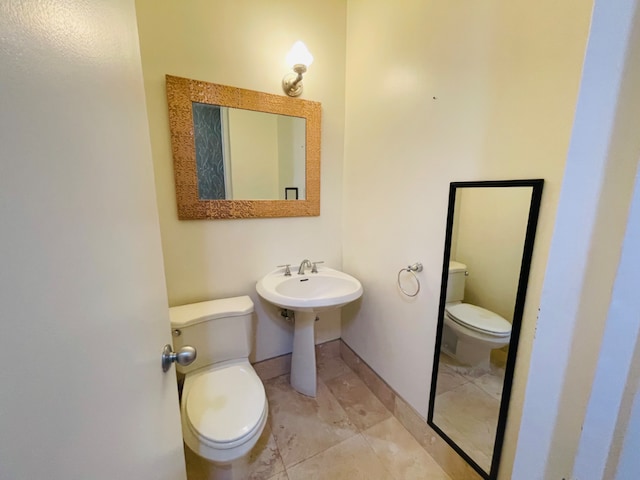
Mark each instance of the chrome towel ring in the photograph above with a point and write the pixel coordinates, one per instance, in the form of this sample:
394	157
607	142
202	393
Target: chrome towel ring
412	269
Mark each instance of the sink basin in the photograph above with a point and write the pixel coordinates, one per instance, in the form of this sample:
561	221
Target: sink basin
312	292
307	295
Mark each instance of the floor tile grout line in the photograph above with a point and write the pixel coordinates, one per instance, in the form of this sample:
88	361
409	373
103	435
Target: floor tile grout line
321	452
357	432
370	392
358	429
450	459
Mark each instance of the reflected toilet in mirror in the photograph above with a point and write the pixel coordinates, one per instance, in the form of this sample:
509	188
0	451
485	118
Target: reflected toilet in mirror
487	254
470	332
468	400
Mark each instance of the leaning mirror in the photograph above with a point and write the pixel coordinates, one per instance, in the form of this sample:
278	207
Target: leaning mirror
243	154
487	255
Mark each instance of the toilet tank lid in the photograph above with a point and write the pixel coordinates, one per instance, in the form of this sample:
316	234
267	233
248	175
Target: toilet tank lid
456	266
192	313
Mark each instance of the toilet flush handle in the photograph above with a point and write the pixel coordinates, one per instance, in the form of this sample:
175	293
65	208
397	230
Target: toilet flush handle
185	356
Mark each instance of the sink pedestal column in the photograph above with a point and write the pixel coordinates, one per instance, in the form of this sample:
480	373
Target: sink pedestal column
303	357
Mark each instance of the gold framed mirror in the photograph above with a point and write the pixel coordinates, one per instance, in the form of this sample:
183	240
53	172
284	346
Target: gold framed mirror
197	199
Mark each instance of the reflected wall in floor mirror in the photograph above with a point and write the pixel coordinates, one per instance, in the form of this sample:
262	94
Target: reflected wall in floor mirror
489	240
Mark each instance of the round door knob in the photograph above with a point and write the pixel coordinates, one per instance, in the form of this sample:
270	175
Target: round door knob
185	356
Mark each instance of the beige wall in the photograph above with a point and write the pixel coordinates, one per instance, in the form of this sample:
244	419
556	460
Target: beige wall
440	92
253	148
291	153
243	43
490	232
435	92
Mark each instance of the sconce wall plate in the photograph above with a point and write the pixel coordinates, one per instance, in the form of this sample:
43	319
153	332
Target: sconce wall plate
292	82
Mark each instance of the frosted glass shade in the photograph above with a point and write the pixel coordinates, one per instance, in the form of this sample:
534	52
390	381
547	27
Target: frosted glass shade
299	55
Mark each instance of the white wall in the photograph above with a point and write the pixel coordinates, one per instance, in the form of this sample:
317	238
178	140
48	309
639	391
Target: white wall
584	261
609	433
244	43
440	92
629	462
82	297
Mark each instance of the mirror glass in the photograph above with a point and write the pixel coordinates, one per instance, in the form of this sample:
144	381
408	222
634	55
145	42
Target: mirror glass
489	241
239	153
248	155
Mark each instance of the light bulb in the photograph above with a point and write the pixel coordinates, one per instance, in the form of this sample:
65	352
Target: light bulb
299	55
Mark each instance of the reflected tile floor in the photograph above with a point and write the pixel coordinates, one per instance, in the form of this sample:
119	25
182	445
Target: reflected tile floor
343	433
467	406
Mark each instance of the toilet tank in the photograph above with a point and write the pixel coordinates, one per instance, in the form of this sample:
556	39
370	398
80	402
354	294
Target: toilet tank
455	281
220	330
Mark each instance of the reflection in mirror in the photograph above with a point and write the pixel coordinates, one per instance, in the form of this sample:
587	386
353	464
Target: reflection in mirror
489	240
231	167
243	154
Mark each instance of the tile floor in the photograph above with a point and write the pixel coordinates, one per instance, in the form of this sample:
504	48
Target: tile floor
467	406
344	433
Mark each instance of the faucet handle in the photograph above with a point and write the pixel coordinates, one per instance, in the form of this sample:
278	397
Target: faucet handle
314	269
287	270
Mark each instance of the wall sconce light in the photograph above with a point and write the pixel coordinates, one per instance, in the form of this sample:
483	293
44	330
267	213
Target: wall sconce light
300	59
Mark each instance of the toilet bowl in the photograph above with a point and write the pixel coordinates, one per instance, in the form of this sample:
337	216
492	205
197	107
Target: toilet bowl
470	332
223	405
224	411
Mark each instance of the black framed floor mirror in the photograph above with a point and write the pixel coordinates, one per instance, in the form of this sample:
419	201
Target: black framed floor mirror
490	232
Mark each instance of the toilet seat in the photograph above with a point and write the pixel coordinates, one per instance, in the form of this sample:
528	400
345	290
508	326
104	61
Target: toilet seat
224	407
479	319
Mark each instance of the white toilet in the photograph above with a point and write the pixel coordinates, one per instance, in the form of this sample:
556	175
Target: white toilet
470	332
223	406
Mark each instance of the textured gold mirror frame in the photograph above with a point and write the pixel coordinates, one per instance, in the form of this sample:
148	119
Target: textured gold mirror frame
181	93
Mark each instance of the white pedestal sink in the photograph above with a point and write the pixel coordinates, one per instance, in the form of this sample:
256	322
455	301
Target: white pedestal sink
303	356
307	295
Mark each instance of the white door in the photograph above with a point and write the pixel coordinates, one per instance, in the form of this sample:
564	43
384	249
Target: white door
83	306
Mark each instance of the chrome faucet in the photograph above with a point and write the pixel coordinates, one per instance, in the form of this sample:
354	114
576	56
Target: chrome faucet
303	264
